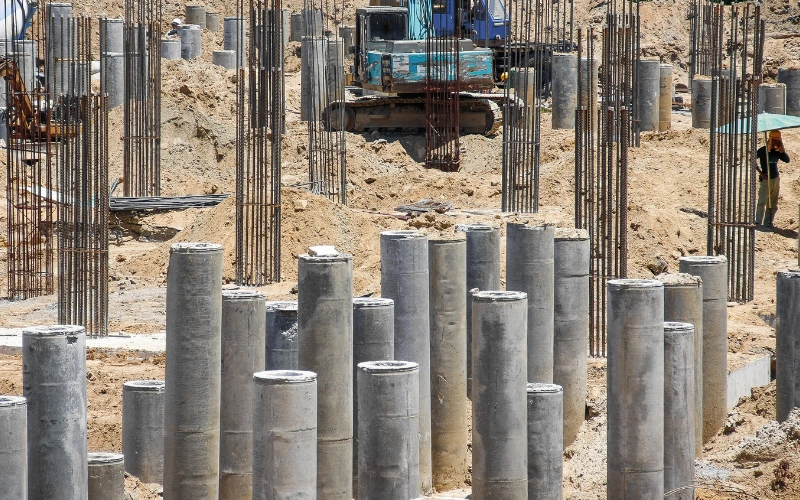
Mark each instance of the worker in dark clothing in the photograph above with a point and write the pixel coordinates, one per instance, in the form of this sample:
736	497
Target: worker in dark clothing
769	184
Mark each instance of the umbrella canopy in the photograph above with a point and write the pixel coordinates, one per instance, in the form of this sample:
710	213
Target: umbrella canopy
766	122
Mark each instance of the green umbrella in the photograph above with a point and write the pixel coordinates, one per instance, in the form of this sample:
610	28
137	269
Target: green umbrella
766	122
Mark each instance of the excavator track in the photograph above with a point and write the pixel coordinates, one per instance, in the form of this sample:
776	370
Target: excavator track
478	113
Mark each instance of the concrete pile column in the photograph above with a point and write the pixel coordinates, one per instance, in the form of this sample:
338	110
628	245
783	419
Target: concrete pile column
143	429
212	21
635	389
312	77
373	340
683	302
234	34
701	101
191	42
334	68
787	349
545	443
112	77
648	94
196	14
404	279
772	98
589	82
791	78
170	48
483	273
243	350
106	476
447	261
347	34
388	426
61	41
54	383
296	27
284	435
678	409
499	408
713	271
281	342
571	325
312	22
565	90
529	269
224	58
665	98
13	448
111	35
192	396
325	346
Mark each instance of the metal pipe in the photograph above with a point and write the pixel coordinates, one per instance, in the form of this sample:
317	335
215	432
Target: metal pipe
143	429
192	395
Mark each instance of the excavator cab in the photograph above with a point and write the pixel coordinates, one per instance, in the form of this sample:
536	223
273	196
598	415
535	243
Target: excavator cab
375	27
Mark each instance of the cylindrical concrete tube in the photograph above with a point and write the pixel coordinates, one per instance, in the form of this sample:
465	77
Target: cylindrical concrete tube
571	325
296	27
373	340
112	77
683	302
499	408
648	93
284	435
589	82
334	68
54	383
529	269
325	346
447	261
192	396
787	349
665	98
791	78
26	56
565	90
404	279
106	476
196	14
701	101
111	35
243	350
635	373
72	78
312	77
224	58
281	342
190	41
312	22
483	273
388	426
13	448
143	429
212	21
772	98
713	272
545	443
61	38
170	48
234	36
679	410
347	34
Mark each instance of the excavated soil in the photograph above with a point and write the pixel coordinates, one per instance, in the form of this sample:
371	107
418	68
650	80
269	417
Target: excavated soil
753	457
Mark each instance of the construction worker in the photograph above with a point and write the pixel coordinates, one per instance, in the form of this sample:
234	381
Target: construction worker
769	180
176	23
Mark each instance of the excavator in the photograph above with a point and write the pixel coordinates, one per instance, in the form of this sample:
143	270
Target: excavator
391	63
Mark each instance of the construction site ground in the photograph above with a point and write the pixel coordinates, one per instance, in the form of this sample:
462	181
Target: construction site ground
752	457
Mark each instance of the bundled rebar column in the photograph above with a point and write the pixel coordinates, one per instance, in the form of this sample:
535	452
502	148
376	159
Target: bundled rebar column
700	38
141	134
732	162
442	123
259	98
83	184
522	123
327	163
30	168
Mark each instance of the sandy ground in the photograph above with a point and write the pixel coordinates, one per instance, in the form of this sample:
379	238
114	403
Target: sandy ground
668	173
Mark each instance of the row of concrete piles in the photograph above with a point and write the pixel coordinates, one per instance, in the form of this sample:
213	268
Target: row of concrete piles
653	95
391	372
782	98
